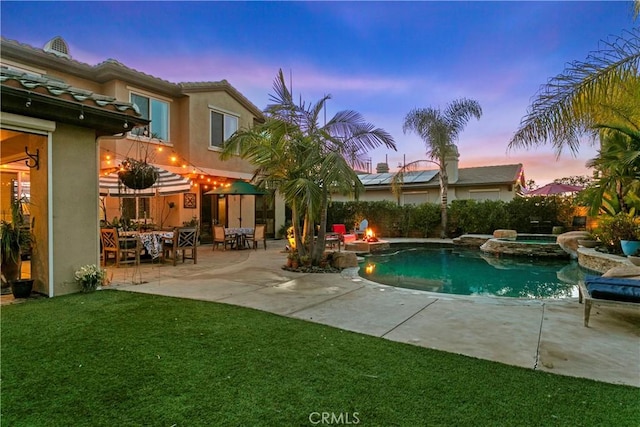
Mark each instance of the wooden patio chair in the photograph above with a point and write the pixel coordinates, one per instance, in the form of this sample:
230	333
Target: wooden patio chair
184	242
124	249
221	238
257	236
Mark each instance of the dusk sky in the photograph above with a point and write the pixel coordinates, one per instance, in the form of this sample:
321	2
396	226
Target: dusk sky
379	58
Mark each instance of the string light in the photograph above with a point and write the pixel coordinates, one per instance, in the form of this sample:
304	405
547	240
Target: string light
196	175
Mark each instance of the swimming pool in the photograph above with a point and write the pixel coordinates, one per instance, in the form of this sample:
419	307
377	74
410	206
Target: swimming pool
462	271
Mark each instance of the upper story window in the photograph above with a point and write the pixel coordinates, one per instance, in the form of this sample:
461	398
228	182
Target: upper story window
223	125
155	110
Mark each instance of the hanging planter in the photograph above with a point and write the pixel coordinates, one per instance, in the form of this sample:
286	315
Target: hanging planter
137	174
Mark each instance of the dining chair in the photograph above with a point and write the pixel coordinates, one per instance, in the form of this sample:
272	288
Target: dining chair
121	248
257	236
185	240
221	238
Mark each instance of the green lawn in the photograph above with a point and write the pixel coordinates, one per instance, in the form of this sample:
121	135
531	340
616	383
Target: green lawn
116	358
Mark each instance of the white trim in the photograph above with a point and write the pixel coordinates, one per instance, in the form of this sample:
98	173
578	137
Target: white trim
50	210
223	111
39	127
484	190
26	124
147	93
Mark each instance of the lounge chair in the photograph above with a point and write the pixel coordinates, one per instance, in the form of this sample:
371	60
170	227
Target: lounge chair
612	291
362	229
341	231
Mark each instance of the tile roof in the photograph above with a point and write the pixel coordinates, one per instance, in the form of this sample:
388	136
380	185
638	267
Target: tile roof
111	69
57	88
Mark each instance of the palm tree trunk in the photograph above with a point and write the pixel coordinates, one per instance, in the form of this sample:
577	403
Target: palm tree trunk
297	232
318	251
444	189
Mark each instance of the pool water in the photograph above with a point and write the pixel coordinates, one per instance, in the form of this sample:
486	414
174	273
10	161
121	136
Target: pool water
471	272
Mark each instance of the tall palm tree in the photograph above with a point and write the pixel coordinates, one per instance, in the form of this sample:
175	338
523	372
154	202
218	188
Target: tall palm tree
601	92
306	160
439	130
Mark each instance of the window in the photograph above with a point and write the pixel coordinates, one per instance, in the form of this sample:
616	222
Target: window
136	208
222	127
155	110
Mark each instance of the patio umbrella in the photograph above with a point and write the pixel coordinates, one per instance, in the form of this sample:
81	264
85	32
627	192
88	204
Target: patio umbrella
554	188
167	183
237	188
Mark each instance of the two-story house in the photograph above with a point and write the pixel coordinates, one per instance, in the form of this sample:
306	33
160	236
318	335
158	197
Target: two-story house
177	127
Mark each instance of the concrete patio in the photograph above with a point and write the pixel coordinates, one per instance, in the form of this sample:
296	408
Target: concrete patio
542	335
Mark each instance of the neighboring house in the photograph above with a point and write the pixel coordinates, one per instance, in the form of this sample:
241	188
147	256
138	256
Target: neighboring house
502	182
189	122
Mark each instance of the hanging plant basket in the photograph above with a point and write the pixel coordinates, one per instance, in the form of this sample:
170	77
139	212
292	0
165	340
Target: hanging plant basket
137	174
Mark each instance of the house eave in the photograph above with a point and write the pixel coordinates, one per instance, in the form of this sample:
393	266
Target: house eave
33	104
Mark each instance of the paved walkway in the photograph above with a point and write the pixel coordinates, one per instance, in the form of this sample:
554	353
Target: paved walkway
541	335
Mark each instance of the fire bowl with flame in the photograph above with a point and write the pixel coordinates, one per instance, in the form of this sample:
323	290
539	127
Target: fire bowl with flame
369	236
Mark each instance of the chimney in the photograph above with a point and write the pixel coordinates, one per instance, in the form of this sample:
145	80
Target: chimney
451	160
382	168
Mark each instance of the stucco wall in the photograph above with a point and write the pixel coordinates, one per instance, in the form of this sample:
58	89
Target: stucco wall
75	204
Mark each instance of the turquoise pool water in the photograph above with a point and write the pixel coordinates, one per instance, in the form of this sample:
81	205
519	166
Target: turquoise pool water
472	272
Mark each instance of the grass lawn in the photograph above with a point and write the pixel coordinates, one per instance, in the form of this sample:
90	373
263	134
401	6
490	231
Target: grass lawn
116	358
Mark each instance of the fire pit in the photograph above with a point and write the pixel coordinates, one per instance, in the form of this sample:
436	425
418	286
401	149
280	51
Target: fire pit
369	236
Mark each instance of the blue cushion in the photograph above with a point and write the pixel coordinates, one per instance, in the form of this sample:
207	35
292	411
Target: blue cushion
613	288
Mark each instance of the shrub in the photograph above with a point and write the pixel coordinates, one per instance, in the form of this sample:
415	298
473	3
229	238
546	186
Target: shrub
612	229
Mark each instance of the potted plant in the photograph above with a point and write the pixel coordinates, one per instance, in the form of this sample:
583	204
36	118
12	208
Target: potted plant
588	242
629	227
620	233
137	174
15	240
90	277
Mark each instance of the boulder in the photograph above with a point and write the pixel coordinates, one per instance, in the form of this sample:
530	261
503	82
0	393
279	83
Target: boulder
569	241
344	260
505	234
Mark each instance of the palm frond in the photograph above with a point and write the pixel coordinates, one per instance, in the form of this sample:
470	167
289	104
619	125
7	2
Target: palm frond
570	104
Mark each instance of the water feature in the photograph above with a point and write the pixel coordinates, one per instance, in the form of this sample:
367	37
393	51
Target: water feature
464	271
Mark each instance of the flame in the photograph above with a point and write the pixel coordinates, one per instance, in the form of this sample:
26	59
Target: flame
369	236
369	268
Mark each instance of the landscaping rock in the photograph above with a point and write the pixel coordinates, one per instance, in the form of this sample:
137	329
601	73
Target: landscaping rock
471	240
343	260
505	234
569	241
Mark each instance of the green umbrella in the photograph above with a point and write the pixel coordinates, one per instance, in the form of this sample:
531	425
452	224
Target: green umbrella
237	188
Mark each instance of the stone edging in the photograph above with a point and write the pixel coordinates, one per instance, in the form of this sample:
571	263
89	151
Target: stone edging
600	262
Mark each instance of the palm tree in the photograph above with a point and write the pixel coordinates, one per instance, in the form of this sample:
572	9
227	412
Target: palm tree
439	130
601	92
306	160
618	164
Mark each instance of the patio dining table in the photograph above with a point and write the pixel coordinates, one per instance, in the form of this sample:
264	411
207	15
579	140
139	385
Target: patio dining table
240	233
151	240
